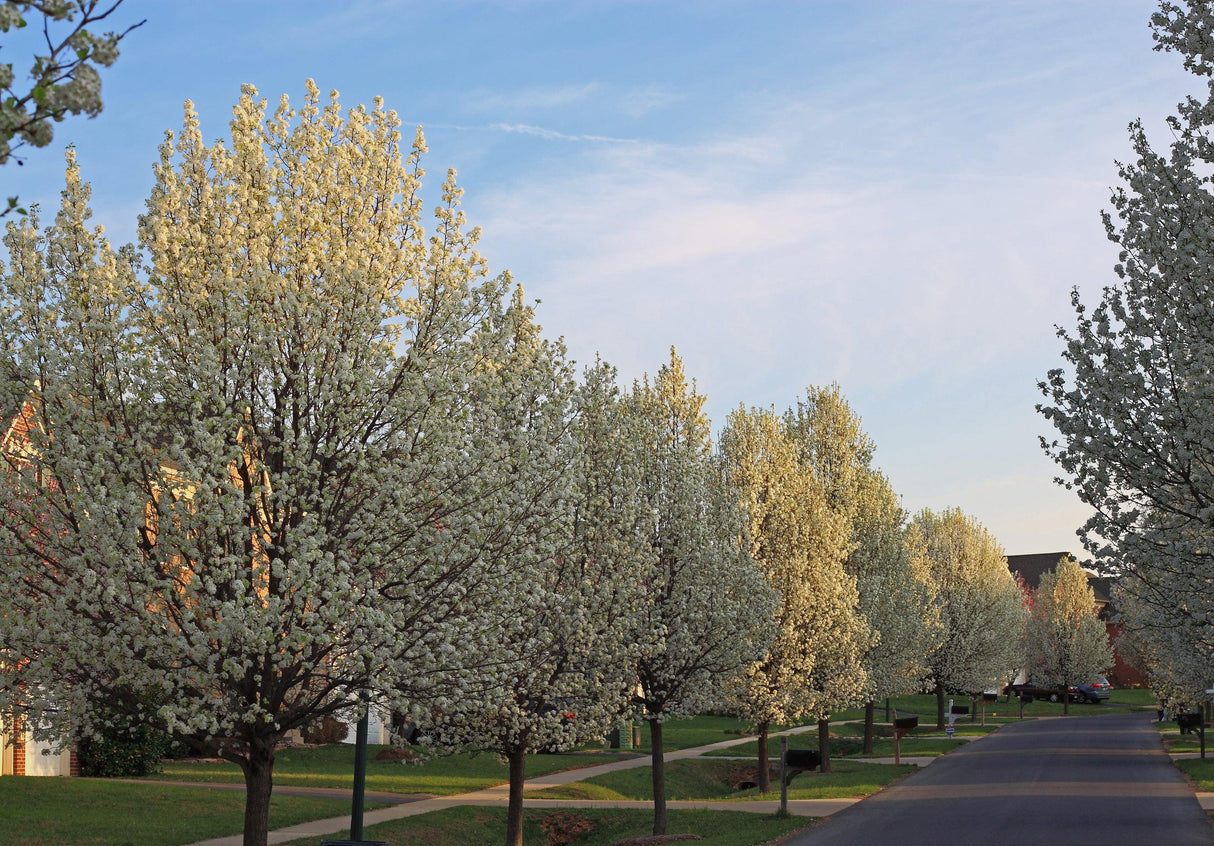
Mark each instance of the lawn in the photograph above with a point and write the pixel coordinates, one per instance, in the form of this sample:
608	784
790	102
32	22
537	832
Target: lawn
844	747
1141	697
92	812
333	766
1123	701
1200	771
709	778
463	825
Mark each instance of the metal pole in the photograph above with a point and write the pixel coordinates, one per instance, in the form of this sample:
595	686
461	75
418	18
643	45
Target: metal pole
360	774
783	775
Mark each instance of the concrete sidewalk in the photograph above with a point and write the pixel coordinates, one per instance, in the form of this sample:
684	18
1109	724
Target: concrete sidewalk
499	795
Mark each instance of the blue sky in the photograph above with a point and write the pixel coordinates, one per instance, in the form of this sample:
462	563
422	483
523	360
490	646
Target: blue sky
894	196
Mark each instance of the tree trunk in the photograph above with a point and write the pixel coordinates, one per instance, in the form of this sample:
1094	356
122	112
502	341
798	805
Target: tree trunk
517	760
869	714
824	743
939	707
258	767
1066	700
764	764
659	777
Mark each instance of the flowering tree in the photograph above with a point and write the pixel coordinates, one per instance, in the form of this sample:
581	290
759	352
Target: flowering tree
1066	642
63	80
800	544
572	585
896	596
1134	405
709	608
980	607
893	592
265	477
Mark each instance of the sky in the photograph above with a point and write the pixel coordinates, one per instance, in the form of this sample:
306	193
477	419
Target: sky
898	197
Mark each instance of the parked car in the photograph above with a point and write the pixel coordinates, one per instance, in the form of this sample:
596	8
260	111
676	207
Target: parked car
1097	691
1054	693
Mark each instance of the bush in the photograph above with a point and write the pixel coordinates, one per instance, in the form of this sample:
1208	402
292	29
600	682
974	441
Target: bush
326	730
125	751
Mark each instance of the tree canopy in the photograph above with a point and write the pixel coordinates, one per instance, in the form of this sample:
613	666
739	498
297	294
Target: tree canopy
256	488
1133	405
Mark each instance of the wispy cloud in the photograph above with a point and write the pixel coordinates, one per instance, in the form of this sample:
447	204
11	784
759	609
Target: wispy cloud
553	135
638	102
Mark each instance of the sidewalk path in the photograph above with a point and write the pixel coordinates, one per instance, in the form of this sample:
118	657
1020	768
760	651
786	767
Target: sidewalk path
499	795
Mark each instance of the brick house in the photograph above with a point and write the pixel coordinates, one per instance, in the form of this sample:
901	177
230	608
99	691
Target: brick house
20	754
1031	568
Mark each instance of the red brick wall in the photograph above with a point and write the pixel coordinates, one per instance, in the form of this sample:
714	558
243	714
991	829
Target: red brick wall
18	748
1123	674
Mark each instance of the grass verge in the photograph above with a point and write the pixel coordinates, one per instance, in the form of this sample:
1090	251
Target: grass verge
333	766
93	812
1199	771
841	747
706	778
578	827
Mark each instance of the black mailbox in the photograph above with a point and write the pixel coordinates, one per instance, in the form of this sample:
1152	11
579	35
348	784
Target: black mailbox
806	759
959	709
906	723
1189	720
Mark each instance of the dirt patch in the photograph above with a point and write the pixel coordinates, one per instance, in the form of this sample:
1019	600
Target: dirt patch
395	753
564	828
740	776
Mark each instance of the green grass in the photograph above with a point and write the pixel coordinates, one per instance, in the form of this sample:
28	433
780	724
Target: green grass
463	825
333	766
706	778
846	747
1123	701
1200	771
89	812
1141	697
693	731
1174	741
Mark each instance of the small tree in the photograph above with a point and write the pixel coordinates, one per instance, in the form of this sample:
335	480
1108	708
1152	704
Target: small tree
800	544
981	610
572	581
1067	643
896	597
893	592
709	609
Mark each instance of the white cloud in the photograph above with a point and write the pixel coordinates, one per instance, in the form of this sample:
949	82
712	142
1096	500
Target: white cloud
553	135
641	101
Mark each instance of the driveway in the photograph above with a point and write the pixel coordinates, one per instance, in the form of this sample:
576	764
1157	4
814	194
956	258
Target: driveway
1100	780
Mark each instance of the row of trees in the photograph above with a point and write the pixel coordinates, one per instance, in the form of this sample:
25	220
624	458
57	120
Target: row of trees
296	454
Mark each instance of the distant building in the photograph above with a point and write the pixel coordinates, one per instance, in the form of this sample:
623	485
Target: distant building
1030	569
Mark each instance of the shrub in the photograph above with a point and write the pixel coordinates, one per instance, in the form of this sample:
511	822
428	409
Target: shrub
326	730
124	751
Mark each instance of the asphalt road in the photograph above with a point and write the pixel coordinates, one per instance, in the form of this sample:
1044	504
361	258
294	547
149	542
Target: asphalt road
1104	781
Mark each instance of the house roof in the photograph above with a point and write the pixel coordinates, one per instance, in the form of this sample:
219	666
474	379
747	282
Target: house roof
1032	567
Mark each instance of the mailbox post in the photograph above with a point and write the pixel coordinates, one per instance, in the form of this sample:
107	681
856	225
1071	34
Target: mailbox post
954	711
901	726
